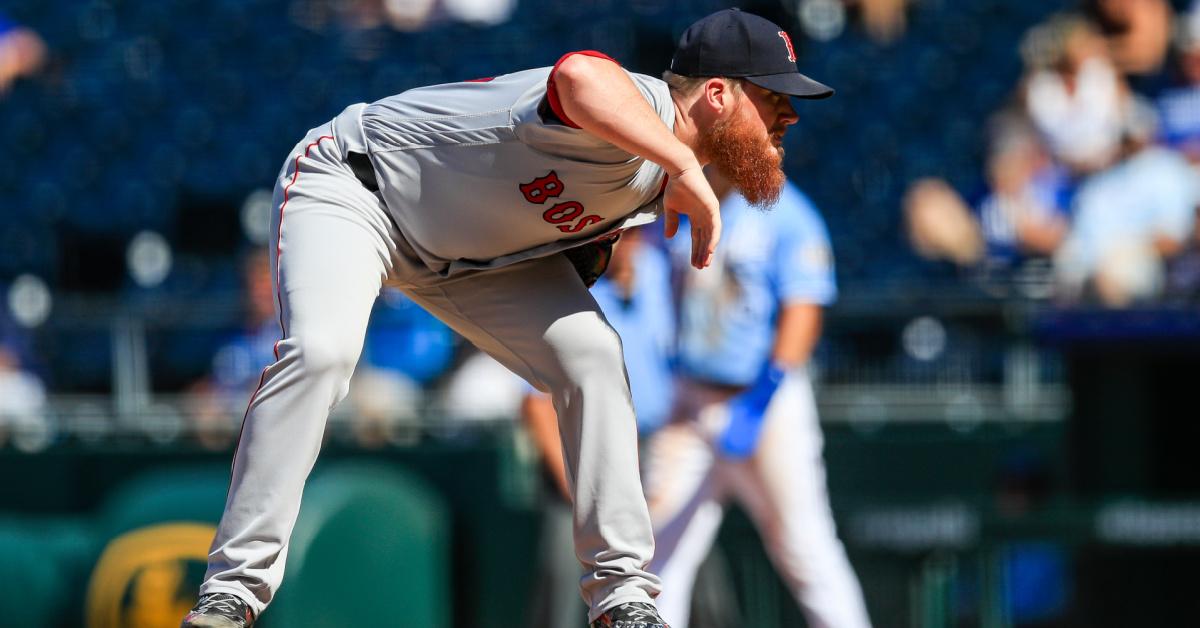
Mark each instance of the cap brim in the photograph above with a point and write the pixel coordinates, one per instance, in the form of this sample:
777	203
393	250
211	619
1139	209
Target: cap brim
792	84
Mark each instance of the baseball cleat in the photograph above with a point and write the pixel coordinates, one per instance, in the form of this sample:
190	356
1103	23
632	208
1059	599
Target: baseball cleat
630	615
219	610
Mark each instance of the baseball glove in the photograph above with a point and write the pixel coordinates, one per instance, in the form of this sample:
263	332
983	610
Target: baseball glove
591	259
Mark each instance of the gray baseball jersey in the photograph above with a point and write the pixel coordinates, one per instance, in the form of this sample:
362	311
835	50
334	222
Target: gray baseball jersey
467	176
483	174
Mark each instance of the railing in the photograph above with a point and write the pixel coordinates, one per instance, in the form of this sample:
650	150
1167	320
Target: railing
961	360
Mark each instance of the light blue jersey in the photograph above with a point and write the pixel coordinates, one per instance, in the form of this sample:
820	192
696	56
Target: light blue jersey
766	258
646	324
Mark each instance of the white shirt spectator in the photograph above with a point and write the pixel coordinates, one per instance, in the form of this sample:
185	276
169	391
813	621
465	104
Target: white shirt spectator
1082	126
22	406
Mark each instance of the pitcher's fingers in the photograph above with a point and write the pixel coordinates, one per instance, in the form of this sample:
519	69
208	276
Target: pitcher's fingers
704	242
714	237
670	223
702	248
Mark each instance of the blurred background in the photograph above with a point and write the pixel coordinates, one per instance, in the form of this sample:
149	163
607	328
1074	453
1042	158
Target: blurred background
1006	384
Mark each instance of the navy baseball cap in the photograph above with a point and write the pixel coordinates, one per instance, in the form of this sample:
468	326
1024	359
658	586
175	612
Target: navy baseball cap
736	44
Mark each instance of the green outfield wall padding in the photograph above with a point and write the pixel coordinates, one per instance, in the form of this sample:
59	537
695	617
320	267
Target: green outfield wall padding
43	565
371	548
154	531
194	492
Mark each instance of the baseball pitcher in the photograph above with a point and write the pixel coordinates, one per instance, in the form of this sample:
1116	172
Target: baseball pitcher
492	203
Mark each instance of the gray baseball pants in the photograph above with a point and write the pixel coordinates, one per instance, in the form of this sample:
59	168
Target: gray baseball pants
333	248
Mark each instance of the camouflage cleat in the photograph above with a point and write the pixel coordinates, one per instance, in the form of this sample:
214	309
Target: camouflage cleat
630	615
219	610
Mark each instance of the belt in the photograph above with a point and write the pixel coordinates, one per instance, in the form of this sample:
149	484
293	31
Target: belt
716	387
360	165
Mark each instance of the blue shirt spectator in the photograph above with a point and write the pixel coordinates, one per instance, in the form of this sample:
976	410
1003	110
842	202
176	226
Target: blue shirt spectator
406	339
645	320
1179	106
238	363
1043	200
767	258
1123	216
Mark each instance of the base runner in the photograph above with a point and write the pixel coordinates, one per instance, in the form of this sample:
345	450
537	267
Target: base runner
745	425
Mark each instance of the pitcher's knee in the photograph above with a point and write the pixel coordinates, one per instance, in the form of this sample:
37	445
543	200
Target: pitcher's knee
586	348
326	354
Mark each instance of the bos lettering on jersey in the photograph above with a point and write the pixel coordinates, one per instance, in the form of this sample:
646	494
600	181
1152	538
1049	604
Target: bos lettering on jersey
564	215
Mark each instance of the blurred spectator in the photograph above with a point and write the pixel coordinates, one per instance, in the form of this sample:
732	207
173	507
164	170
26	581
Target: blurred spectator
479	12
884	20
1021	217
940	225
406	349
22	403
1183	270
360	14
482	389
379	403
347	15
1138	32
22	53
1179	105
359	18
407	340
1128	220
1074	94
1023	213
408	15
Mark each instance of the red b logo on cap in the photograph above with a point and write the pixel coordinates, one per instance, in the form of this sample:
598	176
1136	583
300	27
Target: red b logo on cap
791	51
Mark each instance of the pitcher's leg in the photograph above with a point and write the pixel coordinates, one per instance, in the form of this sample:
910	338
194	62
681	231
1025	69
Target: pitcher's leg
783	488
331	264
539	320
683	494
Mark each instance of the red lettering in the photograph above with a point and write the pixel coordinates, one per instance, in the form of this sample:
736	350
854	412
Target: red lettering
791	51
563	212
550	186
590	219
543	188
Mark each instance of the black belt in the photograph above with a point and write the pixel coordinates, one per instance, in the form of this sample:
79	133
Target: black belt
360	165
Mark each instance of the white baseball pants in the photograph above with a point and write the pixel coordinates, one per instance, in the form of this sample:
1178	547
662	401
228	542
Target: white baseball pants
782	487
334	247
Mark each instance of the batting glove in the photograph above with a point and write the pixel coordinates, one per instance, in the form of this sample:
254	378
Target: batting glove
746	412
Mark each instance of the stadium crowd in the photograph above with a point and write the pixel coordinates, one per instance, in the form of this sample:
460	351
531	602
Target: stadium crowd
1079	190
1091	170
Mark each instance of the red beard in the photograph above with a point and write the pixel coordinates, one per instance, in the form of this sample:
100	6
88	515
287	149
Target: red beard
746	157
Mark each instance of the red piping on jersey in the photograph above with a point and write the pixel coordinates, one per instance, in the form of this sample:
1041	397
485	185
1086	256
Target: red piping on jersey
279	236
552	89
